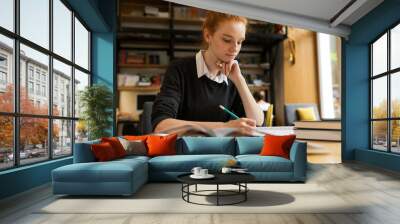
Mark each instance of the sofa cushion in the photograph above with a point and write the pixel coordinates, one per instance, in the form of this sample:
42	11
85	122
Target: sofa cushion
185	163
277	145
306	114
257	163
131	158
111	171
249	145
206	145
161	145
135	137
103	152
116	145
134	147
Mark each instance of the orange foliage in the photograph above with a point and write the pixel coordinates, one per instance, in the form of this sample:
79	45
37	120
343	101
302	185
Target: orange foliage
33	130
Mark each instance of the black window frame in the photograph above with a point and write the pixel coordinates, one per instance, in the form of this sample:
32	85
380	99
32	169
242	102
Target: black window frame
16	115
388	74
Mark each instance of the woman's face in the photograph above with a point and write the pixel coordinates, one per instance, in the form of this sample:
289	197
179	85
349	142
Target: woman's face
227	40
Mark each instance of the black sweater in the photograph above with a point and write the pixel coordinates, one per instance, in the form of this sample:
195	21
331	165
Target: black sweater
184	96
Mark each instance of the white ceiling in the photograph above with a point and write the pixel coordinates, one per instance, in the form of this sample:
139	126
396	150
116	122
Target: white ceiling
316	15
321	9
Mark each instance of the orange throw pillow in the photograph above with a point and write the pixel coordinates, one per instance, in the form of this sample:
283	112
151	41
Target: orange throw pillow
103	152
277	145
135	138
161	145
116	145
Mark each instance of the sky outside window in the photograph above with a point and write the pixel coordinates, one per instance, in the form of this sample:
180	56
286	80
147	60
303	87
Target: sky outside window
379	56
81	45
62	33
7	14
35	21
62	29
395	47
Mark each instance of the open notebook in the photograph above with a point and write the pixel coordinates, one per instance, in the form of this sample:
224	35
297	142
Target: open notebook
197	130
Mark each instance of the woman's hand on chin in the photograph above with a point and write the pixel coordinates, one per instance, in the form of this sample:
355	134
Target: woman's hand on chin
231	70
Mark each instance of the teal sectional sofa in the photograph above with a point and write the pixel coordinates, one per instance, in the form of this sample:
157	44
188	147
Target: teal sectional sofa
125	176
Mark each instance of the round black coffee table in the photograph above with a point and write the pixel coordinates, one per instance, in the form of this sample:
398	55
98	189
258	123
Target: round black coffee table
238	179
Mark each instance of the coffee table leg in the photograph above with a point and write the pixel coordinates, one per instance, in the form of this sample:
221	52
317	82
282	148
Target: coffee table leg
196	188
245	191
217	194
188	189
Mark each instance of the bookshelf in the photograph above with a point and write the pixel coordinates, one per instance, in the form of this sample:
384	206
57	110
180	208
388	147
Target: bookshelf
152	33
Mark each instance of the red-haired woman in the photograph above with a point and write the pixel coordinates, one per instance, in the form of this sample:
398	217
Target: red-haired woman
194	87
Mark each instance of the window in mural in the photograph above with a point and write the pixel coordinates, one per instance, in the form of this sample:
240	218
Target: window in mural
385	94
43	112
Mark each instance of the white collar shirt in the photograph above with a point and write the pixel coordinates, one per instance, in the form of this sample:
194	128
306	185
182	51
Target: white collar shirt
203	70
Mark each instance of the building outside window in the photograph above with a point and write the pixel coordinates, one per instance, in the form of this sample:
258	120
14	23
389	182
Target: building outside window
37	75
3	72
3	61
30	87
3	78
38	89
3	81
44	78
55	98
43	90
30	72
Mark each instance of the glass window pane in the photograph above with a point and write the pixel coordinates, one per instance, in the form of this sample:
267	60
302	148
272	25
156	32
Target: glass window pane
62	89
35	21
7	14
81	132
395	138
6	142
81	81
34	97
379	97
395	47
62	138
81	45
62	29
395	94
33	140
6	74
379	55
379	135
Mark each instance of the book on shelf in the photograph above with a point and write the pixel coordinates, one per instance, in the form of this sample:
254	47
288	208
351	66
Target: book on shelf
151	11
127	79
183	12
318	134
143	83
324	124
198	130
132	57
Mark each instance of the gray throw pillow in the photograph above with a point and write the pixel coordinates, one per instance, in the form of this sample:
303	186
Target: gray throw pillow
136	147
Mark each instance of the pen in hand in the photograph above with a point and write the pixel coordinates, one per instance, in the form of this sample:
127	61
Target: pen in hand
229	112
